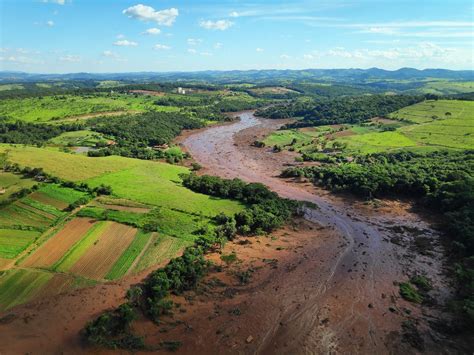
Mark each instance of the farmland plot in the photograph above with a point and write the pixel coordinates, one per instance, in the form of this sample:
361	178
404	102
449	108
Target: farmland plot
103	254
19	286
13	242
55	247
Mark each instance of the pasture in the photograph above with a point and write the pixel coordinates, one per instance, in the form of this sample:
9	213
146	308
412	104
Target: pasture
11	183
61	107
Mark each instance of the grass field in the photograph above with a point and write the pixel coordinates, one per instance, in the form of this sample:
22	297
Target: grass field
54	108
19	286
162	248
11	183
83	138
13	242
426	126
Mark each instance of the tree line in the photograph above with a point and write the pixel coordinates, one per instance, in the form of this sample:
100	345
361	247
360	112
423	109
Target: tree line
442	182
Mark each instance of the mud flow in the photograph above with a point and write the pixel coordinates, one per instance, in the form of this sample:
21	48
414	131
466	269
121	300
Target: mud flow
343	295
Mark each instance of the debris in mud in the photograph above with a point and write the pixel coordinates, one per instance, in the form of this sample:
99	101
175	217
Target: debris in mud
411	335
249	339
8	318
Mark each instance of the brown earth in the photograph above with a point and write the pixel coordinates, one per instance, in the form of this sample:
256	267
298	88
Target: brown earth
55	247
100	257
41	197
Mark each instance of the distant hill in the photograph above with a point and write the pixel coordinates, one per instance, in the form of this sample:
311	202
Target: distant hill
334	75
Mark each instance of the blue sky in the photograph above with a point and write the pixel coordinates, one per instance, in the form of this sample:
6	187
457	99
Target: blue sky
58	36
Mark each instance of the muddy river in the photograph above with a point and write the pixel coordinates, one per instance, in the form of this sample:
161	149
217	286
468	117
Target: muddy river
347	299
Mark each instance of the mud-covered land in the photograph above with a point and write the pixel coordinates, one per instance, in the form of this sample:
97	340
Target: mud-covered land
342	292
328	282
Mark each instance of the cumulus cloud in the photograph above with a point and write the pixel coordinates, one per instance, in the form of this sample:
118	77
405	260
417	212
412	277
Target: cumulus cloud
148	14
285	56
50	23
152	31
70	58
192	51
218	45
125	43
206	54
259	49
234	14
220	25
161	47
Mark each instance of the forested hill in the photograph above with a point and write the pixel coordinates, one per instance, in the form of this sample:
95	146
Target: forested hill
338	75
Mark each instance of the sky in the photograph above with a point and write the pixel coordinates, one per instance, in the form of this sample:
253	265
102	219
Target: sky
63	36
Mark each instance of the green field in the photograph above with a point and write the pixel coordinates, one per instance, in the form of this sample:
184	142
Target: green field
445	87
59	193
428	111
426	126
56	108
152	183
126	260
11	183
19	286
13	242
161	249
83	138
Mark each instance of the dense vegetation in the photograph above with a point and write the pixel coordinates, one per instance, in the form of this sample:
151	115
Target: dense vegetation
340	110
442	181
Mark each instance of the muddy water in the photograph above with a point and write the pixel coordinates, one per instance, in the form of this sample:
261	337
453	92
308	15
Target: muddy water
351	303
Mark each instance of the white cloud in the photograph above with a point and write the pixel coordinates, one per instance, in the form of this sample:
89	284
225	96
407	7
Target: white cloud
109	54
120	36
147	13
381	30
114	56
125	43
285	56
50	23
259	49
59	2
218	45
18	59
152	31
234	14
194	41
70	58
206	54
192	51
161	47
220	25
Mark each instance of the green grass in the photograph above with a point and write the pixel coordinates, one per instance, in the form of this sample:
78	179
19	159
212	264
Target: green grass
83	138
53	108
410	293
11	183
16	216
75	253
42	207
159	184
13	242
19	286
162	248
377	142
444	87
126	260
63	194
6	87
424	111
